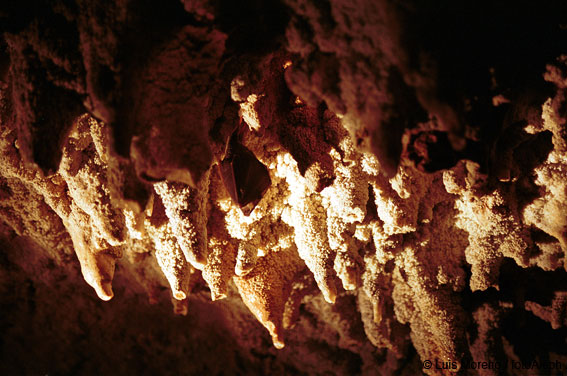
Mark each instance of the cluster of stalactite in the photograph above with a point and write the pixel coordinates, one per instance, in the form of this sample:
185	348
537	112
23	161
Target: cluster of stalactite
356	161
403	246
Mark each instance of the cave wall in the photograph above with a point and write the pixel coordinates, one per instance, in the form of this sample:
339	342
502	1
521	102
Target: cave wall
292	186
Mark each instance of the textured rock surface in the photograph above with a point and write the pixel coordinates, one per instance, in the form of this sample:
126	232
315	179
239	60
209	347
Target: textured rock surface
417	209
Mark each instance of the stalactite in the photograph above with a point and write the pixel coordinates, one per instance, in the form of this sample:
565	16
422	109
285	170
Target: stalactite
342	175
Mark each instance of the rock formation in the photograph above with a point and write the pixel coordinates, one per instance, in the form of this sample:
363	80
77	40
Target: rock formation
380	185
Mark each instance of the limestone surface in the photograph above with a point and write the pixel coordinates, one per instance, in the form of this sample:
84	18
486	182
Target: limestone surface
417	200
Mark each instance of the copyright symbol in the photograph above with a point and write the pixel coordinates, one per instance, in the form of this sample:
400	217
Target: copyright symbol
427	364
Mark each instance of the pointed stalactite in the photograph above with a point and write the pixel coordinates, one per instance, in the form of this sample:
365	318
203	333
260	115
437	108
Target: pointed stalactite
221	262
97	265
96	225
168	253
86	173
266	289
186	209
220	268
309	221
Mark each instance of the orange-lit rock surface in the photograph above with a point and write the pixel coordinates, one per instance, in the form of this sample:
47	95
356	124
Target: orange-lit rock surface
416	208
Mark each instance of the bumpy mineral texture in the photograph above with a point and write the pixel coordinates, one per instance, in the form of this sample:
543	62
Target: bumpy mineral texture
289	187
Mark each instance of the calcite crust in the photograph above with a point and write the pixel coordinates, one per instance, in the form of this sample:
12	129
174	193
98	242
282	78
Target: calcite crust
391	221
